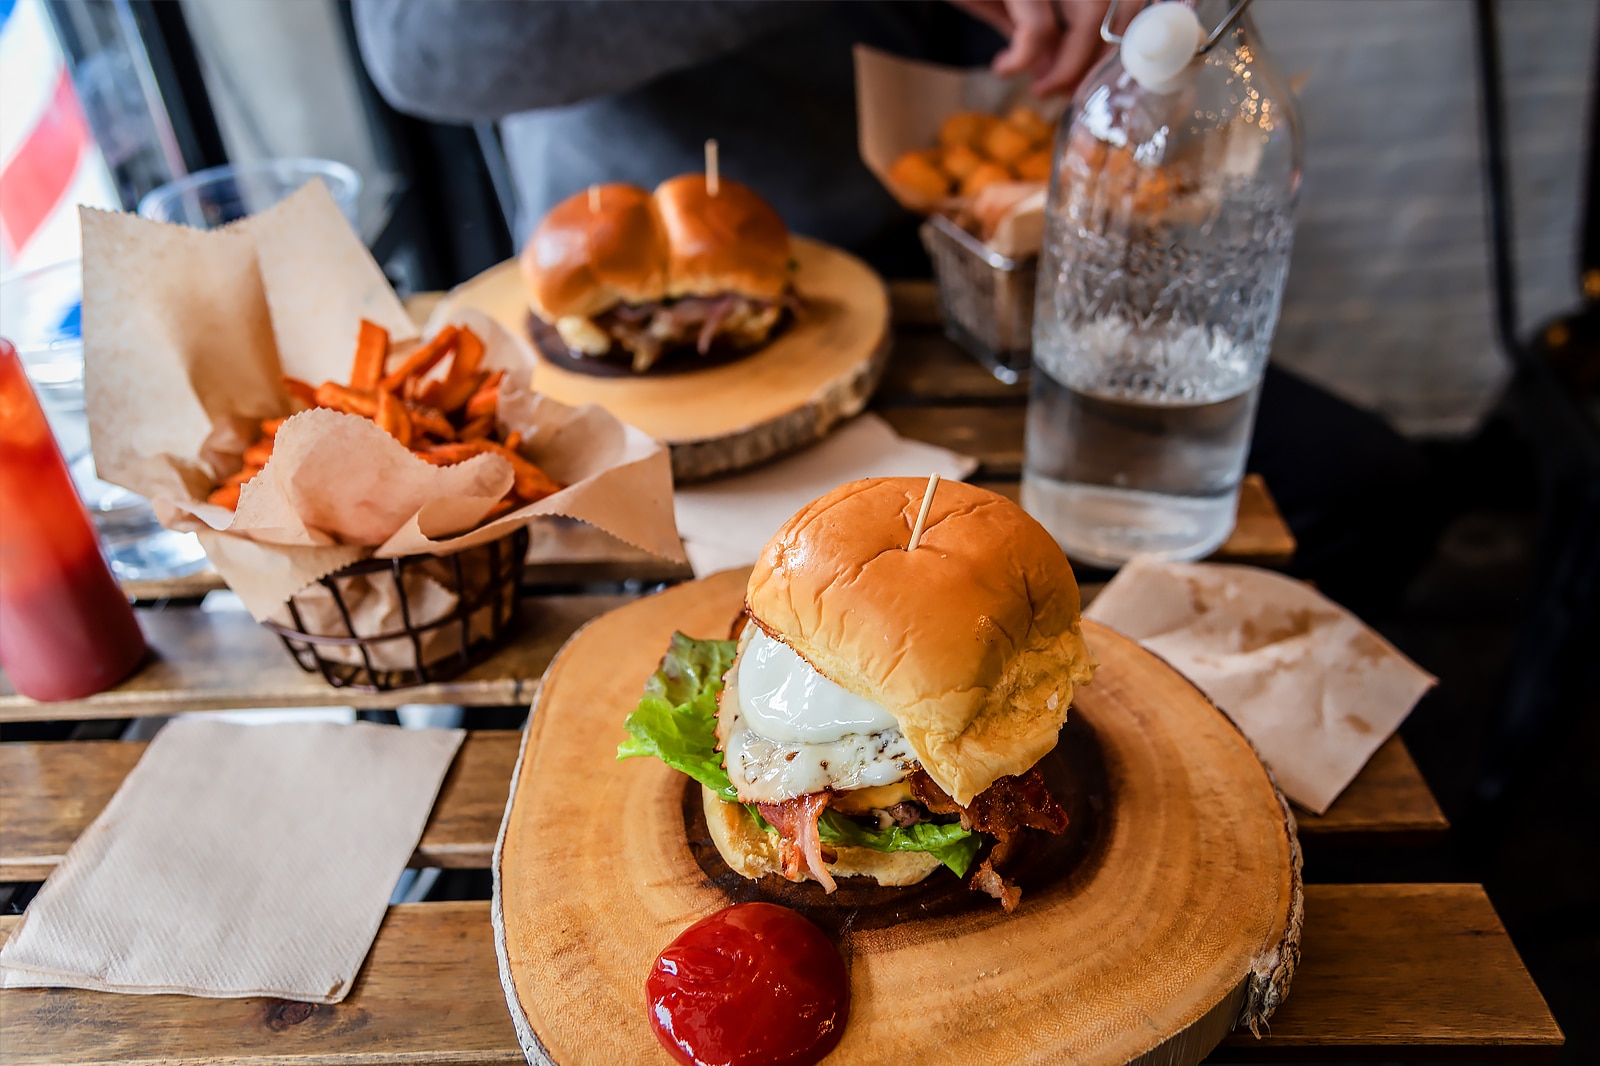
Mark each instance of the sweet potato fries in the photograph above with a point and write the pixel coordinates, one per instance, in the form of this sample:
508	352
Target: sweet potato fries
444	419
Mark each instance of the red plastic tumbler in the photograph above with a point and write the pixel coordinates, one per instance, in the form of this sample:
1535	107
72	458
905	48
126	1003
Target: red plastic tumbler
66	629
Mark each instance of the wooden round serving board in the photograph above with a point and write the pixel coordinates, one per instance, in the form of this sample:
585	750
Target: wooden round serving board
1169	911
819	371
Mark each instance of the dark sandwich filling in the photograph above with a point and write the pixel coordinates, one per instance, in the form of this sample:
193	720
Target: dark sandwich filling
646	332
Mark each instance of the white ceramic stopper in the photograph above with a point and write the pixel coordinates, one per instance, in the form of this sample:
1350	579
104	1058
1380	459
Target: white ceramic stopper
1159	43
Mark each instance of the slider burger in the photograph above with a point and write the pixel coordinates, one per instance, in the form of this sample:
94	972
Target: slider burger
881	710
627	274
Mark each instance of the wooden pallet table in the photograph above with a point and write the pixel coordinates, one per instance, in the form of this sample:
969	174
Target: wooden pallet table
1391	971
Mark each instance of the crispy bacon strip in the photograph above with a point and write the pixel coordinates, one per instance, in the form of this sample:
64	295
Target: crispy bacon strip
985	879
798	839
1002	810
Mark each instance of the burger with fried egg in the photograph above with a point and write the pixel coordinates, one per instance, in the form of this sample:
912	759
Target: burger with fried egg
880	710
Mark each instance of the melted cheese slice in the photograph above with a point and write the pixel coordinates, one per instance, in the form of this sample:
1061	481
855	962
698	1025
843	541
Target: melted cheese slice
785	730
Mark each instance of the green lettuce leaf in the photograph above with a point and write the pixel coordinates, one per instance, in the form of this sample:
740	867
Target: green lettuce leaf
676	719
950	844
676	722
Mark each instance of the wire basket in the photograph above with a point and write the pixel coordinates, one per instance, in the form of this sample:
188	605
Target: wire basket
987	299
430	616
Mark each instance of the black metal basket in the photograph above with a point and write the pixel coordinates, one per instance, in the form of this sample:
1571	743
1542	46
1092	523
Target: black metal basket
484	580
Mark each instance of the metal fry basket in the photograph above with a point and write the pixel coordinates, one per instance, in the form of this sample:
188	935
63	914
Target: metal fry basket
987	299
382	624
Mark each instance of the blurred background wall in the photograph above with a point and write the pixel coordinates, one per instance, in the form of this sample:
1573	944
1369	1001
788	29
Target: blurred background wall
1389	300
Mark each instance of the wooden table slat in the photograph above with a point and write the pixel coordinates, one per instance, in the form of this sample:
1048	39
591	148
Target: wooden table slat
50	792
1259	537
1391	971
215	660
428	993
1405	971
1389	802
925	368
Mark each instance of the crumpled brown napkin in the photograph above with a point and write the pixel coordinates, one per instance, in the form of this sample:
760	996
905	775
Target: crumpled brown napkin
1313	688
236	861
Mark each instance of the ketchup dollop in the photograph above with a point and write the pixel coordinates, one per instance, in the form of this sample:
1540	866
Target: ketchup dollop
755	983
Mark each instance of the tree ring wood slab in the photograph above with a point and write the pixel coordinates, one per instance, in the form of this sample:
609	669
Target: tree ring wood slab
818	372
1167	914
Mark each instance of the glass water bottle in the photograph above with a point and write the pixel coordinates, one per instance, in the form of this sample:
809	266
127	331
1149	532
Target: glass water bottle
1166	247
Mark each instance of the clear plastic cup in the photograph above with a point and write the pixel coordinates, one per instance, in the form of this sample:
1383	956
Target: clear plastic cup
39	312
215	197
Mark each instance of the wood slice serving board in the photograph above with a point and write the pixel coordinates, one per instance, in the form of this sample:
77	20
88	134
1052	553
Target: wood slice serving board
819	371
1169	912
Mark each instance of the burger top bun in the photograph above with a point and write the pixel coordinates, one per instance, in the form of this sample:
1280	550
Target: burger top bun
581	261
972	641
731	242
625	245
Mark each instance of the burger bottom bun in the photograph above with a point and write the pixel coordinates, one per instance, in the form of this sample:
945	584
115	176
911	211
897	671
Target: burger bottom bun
752	852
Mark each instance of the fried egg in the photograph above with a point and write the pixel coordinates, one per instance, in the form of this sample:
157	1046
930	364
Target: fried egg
786	730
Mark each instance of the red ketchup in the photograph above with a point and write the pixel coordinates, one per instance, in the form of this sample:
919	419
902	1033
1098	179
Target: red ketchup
66	629
755	983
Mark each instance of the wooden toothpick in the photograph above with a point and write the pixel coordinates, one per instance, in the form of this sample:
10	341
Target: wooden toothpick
922	516
594	199
711	167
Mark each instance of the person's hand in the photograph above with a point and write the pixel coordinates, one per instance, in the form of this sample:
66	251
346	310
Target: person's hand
1056	40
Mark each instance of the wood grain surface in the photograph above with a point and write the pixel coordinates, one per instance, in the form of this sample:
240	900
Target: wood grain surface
1105	961
1387	972
209	660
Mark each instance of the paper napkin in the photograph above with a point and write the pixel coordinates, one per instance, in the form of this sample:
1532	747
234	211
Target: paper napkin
236	861
1313	688
725	523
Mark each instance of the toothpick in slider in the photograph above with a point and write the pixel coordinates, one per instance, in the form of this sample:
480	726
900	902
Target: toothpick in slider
594	199
922	516
711	167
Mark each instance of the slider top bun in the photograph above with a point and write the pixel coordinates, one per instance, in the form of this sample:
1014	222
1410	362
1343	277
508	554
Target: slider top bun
972	641
582	261
731	242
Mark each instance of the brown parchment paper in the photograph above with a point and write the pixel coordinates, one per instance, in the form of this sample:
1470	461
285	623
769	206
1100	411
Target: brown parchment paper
1315	690
900	105
186	336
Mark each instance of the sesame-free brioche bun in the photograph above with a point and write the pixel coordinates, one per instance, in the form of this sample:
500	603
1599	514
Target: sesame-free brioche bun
972	641
731	242
752	852
626	245
581	261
